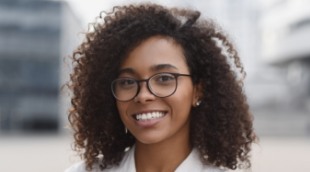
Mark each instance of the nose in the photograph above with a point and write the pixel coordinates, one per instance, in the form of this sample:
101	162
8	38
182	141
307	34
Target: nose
144	95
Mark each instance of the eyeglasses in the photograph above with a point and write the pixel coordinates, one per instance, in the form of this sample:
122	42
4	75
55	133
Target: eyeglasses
161	85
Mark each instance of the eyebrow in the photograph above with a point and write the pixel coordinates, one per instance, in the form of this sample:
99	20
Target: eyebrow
162	66
154	68
126	70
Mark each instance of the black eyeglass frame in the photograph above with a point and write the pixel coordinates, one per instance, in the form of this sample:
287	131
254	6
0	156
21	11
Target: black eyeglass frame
176	75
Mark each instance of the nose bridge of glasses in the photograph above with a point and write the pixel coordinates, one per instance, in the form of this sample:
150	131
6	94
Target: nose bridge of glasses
140	85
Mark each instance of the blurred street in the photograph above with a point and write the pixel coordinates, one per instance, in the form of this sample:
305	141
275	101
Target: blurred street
35	153
52	153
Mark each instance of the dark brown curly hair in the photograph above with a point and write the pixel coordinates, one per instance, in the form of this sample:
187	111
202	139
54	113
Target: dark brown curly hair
221	127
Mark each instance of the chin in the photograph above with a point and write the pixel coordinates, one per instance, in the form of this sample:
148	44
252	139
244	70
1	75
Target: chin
148	140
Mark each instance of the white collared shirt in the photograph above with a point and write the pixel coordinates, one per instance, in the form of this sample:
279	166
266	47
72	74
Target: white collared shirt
191	163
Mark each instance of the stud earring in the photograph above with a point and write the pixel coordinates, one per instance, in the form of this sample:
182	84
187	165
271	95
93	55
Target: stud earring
198	103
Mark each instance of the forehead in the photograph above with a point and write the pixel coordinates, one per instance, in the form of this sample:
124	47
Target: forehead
156	51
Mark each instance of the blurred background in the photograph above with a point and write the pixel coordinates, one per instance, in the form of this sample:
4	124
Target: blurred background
37	36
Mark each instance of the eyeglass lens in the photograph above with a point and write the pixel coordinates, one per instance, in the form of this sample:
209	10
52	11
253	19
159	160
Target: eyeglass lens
161	85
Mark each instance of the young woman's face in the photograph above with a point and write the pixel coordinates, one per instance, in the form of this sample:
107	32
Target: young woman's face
151	119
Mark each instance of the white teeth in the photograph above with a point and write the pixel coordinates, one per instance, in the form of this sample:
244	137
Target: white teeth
149	115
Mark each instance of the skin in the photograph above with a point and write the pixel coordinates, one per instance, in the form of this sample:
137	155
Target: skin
168	136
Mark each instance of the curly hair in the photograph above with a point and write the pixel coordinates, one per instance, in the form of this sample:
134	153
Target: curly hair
220	128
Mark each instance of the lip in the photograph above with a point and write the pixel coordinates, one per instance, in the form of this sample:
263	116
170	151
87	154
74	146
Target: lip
150	122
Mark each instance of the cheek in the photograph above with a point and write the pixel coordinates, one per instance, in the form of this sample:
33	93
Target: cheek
186	93
182	100
122	108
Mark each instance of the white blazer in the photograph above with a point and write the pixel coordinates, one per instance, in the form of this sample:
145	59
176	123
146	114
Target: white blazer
191	164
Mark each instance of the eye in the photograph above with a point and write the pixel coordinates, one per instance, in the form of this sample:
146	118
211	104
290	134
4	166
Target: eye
164	78
125	83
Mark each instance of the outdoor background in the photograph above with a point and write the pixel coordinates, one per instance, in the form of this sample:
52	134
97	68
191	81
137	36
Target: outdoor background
37	36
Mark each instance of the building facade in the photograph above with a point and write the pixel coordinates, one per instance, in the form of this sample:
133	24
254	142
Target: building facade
32	41
285	36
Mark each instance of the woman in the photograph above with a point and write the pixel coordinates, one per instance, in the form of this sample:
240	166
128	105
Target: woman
158	89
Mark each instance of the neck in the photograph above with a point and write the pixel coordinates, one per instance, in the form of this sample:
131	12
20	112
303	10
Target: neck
163	156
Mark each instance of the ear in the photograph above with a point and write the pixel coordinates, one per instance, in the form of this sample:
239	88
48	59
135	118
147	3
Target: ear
197	94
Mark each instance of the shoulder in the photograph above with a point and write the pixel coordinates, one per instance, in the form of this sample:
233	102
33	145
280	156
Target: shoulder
193	163
127	164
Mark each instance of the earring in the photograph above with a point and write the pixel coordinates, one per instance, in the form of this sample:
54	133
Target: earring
198	103
126	130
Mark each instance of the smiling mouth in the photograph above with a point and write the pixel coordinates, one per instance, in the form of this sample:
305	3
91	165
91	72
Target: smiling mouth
149	116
